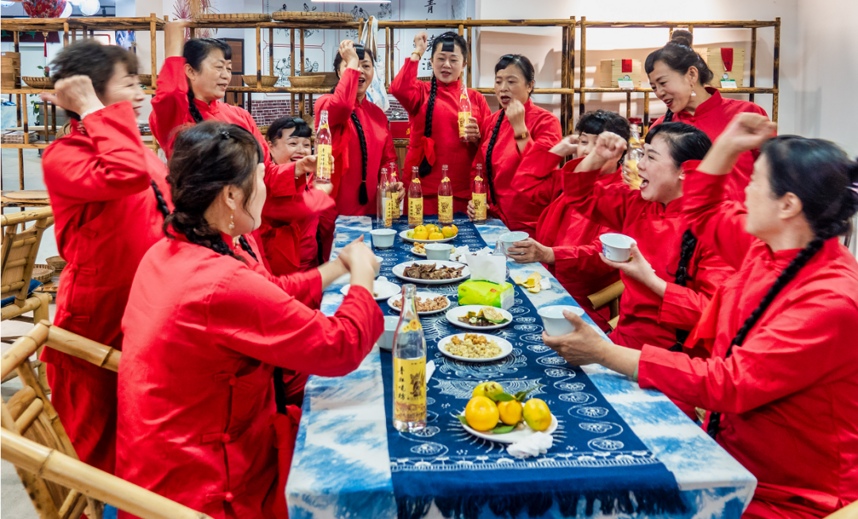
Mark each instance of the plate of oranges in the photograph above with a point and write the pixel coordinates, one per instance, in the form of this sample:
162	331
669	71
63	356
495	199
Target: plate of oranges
430	233
495	415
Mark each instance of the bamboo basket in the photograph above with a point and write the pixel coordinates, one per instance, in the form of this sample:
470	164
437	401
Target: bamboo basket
42	273
233	17
145	79
38	81
307	81
267	81
56	263
302	16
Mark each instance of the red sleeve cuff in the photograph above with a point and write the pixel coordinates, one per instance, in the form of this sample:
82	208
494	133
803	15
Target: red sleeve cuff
702	189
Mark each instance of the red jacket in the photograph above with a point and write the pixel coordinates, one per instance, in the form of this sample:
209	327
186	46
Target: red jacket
205	436
575	242
789	394
99	181
444	147
713	116
523	189
646	318
346	145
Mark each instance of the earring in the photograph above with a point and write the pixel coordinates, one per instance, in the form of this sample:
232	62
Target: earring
693	93
232	221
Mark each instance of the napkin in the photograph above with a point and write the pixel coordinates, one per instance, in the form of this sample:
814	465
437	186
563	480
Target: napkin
487	268
430	370
534	445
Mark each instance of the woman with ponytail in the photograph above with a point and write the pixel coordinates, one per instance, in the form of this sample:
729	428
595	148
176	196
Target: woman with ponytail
109	195
518	191
679	77
205	328
433	108
362	143
782	379
670	279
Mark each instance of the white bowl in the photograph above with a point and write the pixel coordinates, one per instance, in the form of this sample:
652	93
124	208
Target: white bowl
554	322
385	342
382	238
438	251
380	260
617	247
509	238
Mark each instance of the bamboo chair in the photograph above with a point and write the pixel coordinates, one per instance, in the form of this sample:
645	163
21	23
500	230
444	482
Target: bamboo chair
18	259
33	439
849	511
609	295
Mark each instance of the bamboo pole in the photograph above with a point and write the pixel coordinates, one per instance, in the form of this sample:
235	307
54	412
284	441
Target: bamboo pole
388	71
271	51
571	52
645	128
30	414
628	105
753	81
564	82
65	34
292	68
360	30
21	349
301	103
77	346
258	59
153	42
20	401
583	66
776	68
470	57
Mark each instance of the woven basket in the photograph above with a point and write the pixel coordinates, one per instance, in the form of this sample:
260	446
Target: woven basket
38	81
233	17
42	273
56	263
302	16
267	81
145	79
306	81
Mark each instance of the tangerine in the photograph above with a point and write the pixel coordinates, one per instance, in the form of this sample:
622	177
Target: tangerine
537	416
510	412
481	414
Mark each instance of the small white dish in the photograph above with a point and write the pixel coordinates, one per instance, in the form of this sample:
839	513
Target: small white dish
553	320
617	247
521	432
382	238
383	288
420	254
438	251
404	236
399	271
422	295
460	311
503	344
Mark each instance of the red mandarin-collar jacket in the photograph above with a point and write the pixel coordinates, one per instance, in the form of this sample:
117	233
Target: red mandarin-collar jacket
523	188
444	147
346	145
646	318
99	181
575	242
712	117
789	393
203	333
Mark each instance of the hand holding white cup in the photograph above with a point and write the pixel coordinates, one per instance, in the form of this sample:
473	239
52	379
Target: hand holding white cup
617	247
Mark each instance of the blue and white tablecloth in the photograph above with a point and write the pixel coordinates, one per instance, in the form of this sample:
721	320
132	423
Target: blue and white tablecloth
343	465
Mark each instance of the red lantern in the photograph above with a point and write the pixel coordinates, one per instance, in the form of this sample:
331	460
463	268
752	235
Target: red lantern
44	8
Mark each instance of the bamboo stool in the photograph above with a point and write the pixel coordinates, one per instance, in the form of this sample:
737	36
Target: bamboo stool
29	198
609	295
33	439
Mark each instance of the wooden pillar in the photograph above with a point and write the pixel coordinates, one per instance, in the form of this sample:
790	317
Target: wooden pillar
571	122
628	105
301	104
776	69
583	68
753	77
65	34
462	77
258	57
360	29
645	128
388	71
564	81
271	51
292	68
153	42
470	56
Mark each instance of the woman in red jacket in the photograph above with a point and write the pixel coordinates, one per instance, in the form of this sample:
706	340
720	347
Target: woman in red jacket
204	329
434	109
653	308
679	76
566	242
782	380
109	195
362	143
518	128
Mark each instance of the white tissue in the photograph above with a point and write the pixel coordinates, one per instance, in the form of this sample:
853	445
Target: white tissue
534	445
545	284
488	268
430	370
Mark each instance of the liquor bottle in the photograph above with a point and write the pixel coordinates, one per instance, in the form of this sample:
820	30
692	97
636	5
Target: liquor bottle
445	198
394	194
464	112
633	155
415	199
324	152
478	196
383	201
409	367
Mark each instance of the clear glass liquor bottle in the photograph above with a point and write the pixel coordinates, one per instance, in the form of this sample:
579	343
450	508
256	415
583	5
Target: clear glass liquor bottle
324	151
415	199
445	197
384	207
409	367
478	196
464	112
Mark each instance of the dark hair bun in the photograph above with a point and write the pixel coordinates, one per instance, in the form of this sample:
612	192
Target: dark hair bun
682	37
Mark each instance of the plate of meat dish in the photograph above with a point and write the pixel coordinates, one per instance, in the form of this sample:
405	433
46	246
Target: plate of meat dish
431	272
427	303
476	317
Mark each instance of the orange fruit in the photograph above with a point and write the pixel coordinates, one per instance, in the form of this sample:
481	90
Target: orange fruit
537	416
419	228
488	389
455	229
448	232
481	414
421	235
510	412
436	236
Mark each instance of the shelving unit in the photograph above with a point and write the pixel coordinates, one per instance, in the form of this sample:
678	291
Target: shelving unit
753	25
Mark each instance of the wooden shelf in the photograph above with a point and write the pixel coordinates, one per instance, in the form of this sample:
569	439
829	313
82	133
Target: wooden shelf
751	24
236	24
454	24
281	90
592	90
567	91
88	23
23	146
28	90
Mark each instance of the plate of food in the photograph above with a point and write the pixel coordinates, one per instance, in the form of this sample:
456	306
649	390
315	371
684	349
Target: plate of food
419	249
430	233
427	303
431	272
518	433
476	317
382	289
474	347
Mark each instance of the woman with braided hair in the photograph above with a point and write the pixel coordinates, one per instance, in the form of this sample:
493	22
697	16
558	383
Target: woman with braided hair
205	327
518	191
782	379
109	196
433	109
362	143
679	78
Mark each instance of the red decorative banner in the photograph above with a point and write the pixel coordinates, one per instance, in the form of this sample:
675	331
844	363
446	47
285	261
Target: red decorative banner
627	66
727	58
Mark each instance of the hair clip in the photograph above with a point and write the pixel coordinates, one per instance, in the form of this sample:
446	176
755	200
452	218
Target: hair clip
224	134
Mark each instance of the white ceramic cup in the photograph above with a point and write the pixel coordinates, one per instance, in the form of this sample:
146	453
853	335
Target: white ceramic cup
617	247
438	251
554	321
390	324
509	238
382	238
380	260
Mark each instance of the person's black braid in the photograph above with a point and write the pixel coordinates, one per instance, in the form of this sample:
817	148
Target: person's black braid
363	196
489	152
782	281
247	248
668	116
163	208
198	231
686	251
426	168
192	106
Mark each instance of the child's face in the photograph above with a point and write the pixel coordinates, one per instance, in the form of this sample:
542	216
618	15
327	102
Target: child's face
288	148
